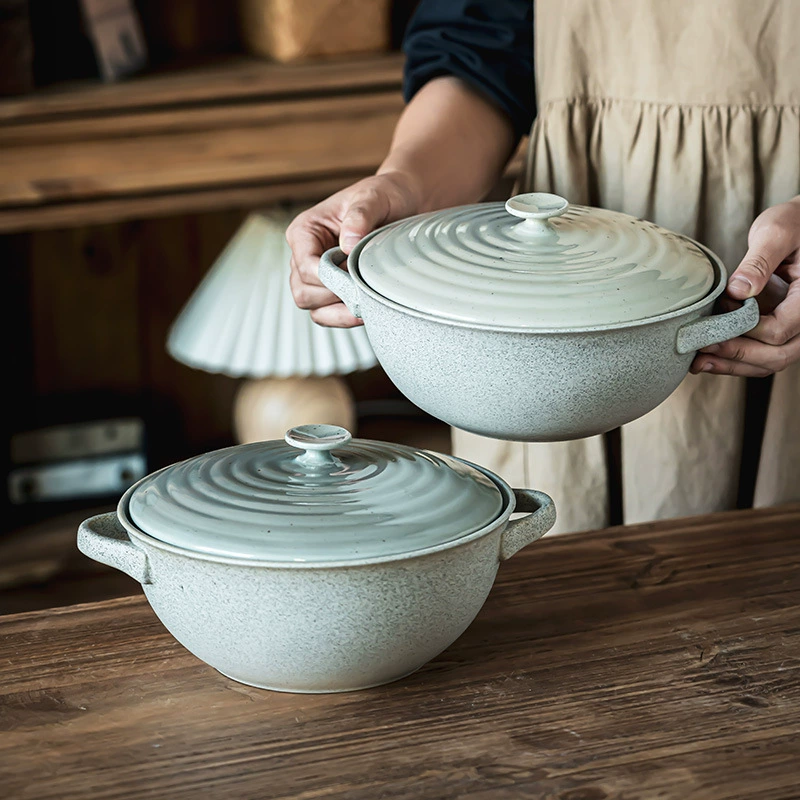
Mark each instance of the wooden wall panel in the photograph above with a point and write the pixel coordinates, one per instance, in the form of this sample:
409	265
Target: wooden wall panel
174	255
84	311
182	28
14	313
101	301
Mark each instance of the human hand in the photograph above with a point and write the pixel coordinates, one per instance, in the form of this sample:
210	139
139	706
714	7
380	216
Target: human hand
770	271
344	218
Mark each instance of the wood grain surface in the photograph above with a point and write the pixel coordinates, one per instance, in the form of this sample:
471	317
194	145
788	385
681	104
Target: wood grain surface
235	78
651	661
241	129
158	151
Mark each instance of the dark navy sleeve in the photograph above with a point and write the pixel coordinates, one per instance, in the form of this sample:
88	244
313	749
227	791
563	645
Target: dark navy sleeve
486	43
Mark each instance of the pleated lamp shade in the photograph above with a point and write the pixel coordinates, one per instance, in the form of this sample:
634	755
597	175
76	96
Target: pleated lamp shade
242	321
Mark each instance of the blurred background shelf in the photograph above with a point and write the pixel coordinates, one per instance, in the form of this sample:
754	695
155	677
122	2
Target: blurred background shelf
224	79
239	132
116	198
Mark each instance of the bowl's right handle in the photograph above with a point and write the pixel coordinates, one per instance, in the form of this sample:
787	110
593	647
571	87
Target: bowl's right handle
717	328
103	538
525	531
338	280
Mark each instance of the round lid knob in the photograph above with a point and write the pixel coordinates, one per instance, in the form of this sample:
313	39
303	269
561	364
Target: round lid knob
536	209
317	437
317	441
319	496
535	262
536	205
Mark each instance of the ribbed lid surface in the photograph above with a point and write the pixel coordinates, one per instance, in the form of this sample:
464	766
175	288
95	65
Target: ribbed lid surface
318	496
535	262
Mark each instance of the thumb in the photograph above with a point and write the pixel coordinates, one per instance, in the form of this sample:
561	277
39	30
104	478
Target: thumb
764	255
363	215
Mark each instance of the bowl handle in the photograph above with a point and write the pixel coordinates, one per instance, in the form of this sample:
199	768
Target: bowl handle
717	328
338	280
524	531
103	539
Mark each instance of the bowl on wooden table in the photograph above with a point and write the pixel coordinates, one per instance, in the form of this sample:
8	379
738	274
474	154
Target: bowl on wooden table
320	563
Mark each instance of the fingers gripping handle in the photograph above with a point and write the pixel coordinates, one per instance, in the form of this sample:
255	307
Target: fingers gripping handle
717	328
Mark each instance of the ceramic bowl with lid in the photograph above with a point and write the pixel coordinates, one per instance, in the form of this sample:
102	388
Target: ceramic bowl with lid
320	563
534	320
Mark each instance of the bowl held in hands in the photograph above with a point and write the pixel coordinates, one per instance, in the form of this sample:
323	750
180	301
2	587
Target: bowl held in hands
534	320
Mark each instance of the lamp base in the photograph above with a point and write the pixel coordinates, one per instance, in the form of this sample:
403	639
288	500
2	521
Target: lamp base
265	409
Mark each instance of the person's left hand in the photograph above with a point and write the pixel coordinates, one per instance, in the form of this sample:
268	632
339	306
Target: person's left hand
770	271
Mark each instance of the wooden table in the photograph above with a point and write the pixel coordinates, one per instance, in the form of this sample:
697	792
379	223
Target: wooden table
652	661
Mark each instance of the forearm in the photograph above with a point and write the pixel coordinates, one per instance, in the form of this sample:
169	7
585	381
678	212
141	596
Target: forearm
450	145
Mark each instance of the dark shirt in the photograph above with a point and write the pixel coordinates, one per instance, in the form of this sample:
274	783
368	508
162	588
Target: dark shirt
486	43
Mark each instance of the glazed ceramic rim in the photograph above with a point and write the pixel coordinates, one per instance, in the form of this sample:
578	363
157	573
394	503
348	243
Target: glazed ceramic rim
151	540
362	285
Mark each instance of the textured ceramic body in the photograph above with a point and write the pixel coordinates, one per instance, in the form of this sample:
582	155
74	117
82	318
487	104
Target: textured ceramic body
534	385
321	627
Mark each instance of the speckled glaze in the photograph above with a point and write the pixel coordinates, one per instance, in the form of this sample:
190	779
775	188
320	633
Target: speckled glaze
533	385
317	627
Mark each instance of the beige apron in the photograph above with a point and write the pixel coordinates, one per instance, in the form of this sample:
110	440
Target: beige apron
687	113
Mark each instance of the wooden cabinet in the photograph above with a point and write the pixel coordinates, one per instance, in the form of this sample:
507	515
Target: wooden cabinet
118	199
115	200
239	133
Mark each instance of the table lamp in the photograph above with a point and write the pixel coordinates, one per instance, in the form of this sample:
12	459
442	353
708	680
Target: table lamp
242	321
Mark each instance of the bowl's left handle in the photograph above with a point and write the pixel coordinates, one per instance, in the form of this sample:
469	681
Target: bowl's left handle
717	328
525	531
338	280
105	540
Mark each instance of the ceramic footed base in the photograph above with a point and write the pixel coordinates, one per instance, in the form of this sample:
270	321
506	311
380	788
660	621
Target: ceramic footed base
286	690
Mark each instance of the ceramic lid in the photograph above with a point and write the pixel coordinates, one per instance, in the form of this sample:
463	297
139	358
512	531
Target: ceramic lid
318	496
535	262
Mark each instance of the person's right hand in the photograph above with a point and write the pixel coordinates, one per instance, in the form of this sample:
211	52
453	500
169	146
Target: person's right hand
344	218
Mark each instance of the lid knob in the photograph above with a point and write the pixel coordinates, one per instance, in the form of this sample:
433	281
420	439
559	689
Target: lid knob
317	441
535	208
